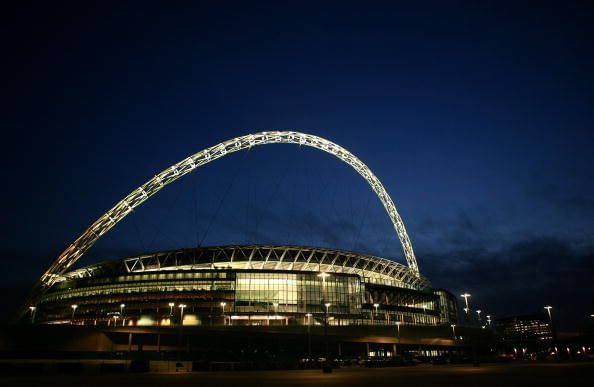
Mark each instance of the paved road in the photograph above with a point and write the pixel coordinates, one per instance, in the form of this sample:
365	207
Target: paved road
507	375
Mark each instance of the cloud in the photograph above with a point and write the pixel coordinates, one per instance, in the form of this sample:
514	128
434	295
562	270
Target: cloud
520	278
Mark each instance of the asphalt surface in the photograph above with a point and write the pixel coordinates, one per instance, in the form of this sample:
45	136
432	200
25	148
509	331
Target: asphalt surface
526	374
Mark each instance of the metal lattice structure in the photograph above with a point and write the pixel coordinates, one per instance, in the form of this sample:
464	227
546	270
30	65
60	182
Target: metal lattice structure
107	221
255	257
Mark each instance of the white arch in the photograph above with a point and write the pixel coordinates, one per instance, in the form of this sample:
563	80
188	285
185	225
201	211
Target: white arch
102	225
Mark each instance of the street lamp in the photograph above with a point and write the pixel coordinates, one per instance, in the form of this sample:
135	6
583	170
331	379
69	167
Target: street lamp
275	305
181	319
375	306
308	315
171	305
454	330
115	319
465	296
122	306
323	276
489	319
74	306
32	310
223	304
327	305
478	312
548	308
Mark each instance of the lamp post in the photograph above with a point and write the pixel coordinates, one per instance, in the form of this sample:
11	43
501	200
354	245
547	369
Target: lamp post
454	330
122	306
223	304
323	276
171	305
181	318
308	315
465	296
327	305
74	306
489	320
376	306
275	306
478	312
32	310
548	308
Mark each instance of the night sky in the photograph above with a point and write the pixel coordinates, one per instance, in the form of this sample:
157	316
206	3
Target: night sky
477	117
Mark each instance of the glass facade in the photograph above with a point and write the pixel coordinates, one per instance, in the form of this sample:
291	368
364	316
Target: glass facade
141	287
297	292
231	296
448	307
249	297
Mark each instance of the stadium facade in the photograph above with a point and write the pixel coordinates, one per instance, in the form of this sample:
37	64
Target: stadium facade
246	285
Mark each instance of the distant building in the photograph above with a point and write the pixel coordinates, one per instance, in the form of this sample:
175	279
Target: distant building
532	331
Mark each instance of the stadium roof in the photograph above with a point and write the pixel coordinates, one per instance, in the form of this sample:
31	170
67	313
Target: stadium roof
261	257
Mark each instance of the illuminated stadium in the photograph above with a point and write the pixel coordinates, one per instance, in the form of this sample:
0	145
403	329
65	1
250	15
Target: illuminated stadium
239	285
243	285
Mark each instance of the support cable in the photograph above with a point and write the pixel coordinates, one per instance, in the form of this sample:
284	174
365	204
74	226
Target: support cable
220	204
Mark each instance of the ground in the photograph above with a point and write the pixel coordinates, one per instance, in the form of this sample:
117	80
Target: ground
534	374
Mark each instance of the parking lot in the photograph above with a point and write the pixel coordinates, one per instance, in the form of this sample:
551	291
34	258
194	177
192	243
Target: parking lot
520	374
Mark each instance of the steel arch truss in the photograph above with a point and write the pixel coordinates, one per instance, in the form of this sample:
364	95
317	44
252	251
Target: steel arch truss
105	223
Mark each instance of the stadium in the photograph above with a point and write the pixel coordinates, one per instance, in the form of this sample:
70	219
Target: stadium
271	288
244	285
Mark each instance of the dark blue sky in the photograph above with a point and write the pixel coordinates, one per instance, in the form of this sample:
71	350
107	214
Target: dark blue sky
478	118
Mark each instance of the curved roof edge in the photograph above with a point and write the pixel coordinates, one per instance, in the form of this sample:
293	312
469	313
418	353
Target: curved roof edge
261	257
